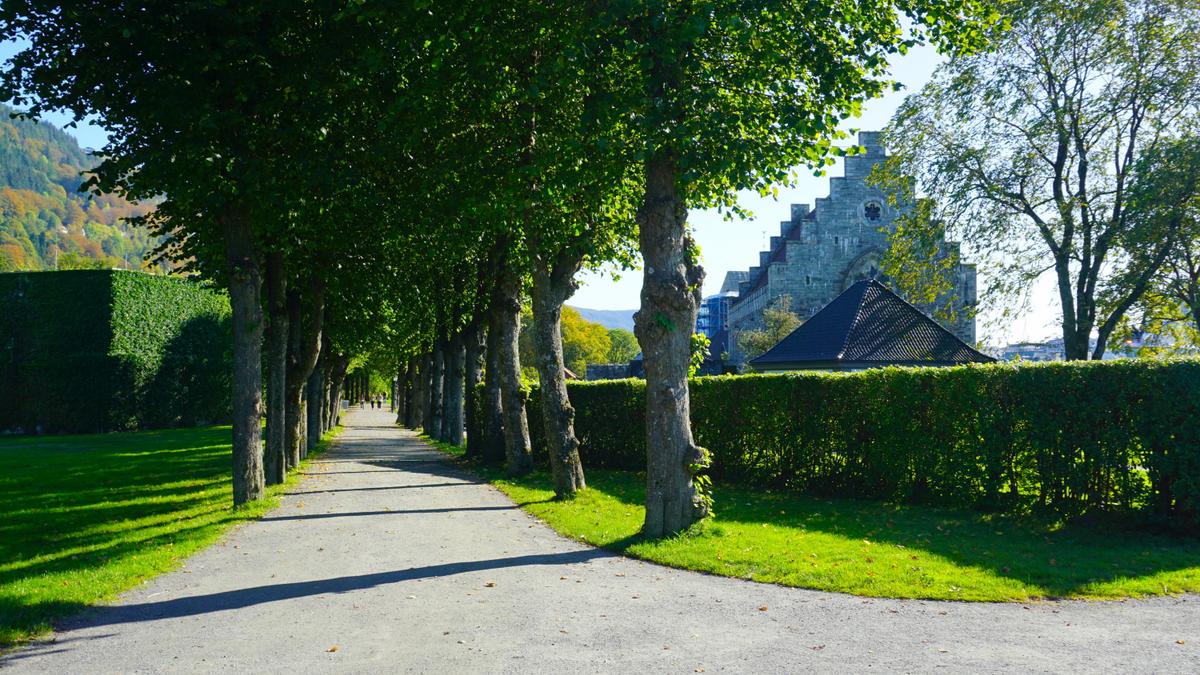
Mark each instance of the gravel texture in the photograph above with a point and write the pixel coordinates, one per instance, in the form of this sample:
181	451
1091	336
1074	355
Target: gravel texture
388	559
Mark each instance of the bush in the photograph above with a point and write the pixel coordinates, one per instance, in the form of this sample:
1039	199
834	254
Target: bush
101	350
1063	439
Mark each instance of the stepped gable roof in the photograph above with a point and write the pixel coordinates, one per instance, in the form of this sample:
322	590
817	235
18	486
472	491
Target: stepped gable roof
779	252
868	326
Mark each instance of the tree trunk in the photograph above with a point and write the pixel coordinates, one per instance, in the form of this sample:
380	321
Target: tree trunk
412	403
558	417
245	288
436	383
402	393
426	378
663	324
307	318
337	378
474	339
325	366
314	399
452	421
302	441
274	457
493	415
518	453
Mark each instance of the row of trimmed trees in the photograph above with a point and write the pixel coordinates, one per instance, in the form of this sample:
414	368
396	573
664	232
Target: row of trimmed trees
397	180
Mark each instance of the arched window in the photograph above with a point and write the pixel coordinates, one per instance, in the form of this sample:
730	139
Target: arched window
865	267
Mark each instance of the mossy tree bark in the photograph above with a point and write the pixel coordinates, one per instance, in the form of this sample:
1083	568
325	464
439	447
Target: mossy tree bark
670	302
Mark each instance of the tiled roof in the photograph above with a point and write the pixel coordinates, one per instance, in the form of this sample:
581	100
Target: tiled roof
869	325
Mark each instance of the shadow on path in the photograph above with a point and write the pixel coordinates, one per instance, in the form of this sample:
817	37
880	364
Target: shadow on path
258	595
393	512
387	487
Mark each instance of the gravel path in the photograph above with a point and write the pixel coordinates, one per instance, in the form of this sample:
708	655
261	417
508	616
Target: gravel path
388	559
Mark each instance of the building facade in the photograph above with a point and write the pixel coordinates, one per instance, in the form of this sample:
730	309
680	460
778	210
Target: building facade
823	250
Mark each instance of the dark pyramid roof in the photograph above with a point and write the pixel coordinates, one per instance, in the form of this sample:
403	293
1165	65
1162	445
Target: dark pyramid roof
869	325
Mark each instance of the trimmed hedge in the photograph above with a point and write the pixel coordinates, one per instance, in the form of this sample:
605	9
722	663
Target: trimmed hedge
109	350
1063	439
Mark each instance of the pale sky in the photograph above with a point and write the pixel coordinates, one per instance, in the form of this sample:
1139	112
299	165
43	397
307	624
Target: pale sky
734	245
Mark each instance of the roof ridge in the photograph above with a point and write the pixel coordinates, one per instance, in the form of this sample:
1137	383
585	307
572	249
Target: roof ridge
858	312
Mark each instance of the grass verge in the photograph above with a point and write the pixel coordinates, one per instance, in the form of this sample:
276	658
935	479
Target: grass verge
83	518
869	548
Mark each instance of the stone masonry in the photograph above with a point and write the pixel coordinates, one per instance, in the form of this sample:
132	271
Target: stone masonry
823	250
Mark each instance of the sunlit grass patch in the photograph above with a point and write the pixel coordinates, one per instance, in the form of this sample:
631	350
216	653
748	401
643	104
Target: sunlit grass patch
871	548
83	518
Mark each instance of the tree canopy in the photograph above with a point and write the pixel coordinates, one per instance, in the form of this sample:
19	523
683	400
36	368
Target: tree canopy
394	181
1027	152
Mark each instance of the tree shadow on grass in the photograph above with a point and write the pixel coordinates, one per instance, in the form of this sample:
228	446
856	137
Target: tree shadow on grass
1060	559
1056	559
85	503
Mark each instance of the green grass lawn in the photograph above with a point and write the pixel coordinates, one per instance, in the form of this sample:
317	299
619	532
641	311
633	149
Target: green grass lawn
871	548
83	518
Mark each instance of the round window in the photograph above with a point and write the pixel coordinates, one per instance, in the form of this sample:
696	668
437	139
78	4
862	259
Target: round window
873	211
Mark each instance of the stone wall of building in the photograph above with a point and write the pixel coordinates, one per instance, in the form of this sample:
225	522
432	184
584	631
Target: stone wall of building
821	251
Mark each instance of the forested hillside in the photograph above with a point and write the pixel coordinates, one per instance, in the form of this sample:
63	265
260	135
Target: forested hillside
45	222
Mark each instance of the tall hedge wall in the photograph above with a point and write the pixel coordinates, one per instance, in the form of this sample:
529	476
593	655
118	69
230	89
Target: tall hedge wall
101	350
1062	438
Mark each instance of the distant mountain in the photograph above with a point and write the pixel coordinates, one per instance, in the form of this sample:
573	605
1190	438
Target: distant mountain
45	222
609	318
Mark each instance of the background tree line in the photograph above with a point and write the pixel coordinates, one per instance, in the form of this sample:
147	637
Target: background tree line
45	222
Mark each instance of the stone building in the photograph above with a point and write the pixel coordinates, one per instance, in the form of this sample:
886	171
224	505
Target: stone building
823	250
